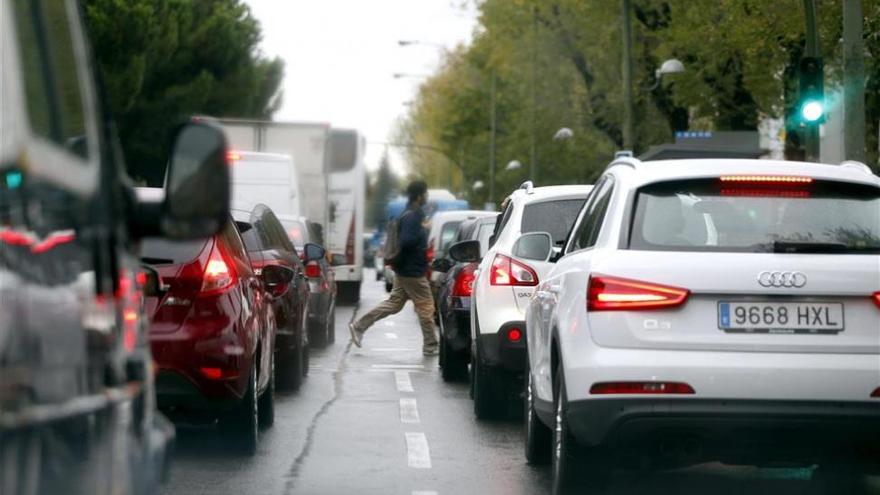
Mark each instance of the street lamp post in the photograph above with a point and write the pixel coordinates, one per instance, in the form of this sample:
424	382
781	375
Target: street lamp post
628	129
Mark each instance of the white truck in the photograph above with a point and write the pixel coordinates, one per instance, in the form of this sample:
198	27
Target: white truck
329	168
265	178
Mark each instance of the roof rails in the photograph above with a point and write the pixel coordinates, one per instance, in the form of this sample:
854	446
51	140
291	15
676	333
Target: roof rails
625	158
528	187
856	166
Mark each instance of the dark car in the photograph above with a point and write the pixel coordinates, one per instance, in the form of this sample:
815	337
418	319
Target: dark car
268	245
322	281
454	300
77	403
213	331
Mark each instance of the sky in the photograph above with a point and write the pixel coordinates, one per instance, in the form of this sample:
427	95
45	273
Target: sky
340	57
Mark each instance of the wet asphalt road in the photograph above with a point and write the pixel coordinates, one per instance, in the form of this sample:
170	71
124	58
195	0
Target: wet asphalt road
380	420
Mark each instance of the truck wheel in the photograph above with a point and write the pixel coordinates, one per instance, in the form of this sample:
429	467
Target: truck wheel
538	437
266	402
243	422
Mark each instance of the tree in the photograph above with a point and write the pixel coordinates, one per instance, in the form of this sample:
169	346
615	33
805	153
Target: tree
383	186
162	61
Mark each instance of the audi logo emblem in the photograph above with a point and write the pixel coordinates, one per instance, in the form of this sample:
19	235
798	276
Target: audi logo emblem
782	279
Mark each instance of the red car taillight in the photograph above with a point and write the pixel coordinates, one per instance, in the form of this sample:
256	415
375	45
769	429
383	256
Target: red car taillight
313	270
219	275
508	271
876	298
612	293
430	253
642	388
464	282
876	393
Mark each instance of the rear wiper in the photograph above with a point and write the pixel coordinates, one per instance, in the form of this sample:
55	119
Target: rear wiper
809	247
156	261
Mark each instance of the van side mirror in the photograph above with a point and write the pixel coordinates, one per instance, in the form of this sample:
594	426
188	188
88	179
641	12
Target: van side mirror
537	246
197	190
313	252
465	251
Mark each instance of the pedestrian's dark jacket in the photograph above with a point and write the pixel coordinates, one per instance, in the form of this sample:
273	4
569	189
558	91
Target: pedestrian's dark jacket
412	260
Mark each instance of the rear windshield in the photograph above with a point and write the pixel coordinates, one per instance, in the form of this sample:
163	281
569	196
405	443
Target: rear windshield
447	233
163	252
296	232
553	217
706	215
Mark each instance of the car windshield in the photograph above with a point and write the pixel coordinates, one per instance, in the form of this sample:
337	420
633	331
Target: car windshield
706	215
165	252
554	217
447	233
296	232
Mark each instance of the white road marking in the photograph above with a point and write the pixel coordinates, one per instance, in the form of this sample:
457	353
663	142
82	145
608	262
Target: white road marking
424	492
409	411
399	366
390	335
401	379
417	453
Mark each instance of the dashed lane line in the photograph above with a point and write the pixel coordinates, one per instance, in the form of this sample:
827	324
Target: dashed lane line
409	411
423	492
403	382
418	455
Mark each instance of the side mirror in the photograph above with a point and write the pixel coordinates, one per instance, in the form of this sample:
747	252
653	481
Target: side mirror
338	260
150	285
537	246
441	265
313	252
277	279
197	183
465	251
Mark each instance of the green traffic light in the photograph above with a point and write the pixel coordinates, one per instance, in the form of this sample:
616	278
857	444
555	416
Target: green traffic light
812	110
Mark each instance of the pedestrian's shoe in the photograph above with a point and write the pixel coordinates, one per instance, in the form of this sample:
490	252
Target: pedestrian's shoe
355	334
430	351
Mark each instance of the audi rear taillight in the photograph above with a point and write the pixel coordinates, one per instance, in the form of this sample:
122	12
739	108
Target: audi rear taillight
219	275
313	270
613	293
508	271
464	282
641	388
876	298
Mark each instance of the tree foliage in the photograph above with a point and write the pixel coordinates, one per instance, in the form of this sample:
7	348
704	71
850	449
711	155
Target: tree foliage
558	63
163	61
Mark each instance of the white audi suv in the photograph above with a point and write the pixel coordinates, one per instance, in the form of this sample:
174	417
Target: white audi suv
710	310
503	285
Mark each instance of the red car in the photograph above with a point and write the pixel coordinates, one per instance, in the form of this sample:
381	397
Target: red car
212	332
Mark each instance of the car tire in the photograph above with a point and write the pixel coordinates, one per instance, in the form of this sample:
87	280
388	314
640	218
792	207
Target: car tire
538	438
266	402
453	367
293	371
331	327
575	469
243	422
318	336
484	387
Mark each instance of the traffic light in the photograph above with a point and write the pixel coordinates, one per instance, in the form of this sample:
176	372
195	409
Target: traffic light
812	96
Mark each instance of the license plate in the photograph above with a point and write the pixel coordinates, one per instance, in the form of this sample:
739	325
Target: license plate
777	317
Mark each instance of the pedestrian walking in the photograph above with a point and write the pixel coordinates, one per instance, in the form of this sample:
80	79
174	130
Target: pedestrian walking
410	274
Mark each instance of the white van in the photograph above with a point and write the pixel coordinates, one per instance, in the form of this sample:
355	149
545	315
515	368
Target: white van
265	178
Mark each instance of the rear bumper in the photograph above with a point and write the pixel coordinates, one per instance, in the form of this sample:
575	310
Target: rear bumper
726	428
457	329
497	351
176	391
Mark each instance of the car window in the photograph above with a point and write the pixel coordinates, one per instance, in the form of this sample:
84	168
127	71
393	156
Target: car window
164	252
250	236
484	232
704	215
447	233
554	217
278	238
587	231
55	104
501	221
231	240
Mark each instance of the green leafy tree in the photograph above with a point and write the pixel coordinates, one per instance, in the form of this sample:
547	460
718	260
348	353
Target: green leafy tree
383	185
163	61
